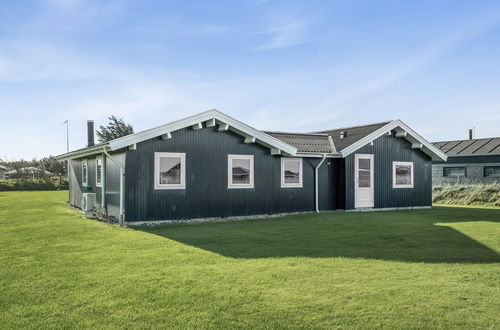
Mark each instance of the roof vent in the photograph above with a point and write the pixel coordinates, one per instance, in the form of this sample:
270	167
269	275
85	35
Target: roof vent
471	134
343	134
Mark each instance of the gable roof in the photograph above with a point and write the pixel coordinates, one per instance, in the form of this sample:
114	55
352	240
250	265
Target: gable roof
364	134
325	142
304	142
353	134
474	147
210	118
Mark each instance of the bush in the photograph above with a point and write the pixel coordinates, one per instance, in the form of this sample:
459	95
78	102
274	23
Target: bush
36	184
488	195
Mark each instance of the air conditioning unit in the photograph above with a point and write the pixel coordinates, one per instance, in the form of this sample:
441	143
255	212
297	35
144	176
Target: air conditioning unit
88	202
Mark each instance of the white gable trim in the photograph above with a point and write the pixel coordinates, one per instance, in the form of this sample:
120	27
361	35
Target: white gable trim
212	116
403	131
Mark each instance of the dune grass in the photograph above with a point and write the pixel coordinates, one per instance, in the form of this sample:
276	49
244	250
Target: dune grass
479	195
407	269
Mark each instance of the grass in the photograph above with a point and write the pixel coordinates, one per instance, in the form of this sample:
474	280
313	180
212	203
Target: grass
406	269
482	195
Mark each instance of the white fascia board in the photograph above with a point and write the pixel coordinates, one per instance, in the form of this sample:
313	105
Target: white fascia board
234	125
82	153
317	155
412	136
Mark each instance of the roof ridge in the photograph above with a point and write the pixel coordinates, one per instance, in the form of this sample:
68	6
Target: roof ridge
281	132
355	126
462	140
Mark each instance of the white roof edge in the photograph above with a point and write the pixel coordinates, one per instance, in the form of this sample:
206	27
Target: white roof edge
428	148
201	117
82	153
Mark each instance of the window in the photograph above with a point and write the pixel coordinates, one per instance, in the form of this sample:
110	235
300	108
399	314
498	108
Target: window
170	170
364	172
291	172
453	171
98	172
492	171
240	171
402	174
84	173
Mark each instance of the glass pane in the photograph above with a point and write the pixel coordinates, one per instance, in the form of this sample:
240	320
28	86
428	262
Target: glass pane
241	171
364	179
492	171
292	171
403	174
99	170
454	171
84	174
170	170
364	163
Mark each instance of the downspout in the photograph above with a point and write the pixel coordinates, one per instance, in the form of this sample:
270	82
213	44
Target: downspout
103	185
122	184
316	172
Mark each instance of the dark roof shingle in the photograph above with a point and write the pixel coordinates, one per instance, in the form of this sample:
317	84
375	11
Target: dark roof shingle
352	134
305	142
474	147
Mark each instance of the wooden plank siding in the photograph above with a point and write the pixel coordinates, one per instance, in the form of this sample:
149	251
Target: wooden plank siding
207	193
112	180
387	149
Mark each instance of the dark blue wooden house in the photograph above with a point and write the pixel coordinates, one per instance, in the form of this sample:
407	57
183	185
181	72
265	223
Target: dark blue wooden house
211	166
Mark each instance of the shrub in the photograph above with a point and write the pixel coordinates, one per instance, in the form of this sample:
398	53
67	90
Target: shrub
467	195
36	184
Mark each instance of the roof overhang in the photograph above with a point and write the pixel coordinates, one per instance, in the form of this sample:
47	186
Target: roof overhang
210	118
83	153
403	131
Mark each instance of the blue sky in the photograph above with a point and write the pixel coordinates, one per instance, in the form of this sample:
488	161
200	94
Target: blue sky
278	65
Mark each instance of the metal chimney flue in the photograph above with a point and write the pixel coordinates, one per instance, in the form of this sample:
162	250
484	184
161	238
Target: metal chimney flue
90	133
470	134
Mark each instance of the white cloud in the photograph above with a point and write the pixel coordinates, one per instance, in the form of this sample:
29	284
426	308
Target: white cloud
286	34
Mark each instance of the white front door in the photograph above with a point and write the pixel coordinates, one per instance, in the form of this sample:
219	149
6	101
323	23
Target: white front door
363	175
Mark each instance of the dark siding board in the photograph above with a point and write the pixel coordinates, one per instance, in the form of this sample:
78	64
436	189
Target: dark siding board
387	149
471	159
206	193
339	183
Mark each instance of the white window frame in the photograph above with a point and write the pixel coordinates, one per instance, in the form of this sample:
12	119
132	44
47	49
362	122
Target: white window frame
230	183
290	185
394	185
85	183
97	159
158	156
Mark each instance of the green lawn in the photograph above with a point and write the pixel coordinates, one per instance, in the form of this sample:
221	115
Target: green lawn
431	269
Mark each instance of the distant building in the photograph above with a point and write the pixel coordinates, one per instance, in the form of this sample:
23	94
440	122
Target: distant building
27	173
3	169
472	161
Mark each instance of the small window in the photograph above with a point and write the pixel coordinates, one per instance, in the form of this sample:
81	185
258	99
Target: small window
492	171
240	171
98	172
402	174
170	170
84	173
291	172
453	171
